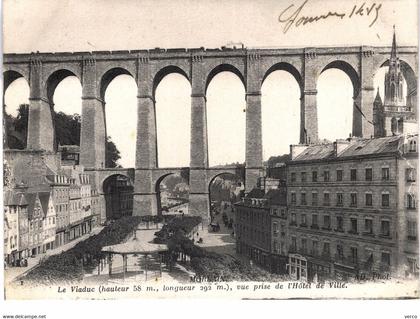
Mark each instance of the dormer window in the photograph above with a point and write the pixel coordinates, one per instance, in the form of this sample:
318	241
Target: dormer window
413	146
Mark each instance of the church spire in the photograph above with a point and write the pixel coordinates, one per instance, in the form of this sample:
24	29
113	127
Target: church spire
378	100
394	46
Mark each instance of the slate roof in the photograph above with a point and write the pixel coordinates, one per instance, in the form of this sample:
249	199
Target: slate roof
389	144
44	197
14	198
31	198
316	152
356	147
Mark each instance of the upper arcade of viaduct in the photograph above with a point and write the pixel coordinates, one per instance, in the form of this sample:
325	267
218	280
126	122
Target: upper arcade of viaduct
95	70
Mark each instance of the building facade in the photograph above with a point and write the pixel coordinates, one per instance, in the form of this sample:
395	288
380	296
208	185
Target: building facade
346	217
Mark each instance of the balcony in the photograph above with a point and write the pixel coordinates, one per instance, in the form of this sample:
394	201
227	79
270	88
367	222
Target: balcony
293	224
314	226
412	237
328	228
339	230
368	234
303	225
385	236
353	232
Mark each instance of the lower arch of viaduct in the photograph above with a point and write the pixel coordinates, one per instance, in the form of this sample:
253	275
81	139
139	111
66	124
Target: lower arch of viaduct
95	70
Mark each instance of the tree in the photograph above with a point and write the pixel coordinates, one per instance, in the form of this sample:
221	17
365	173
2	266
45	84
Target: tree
66	129
112	154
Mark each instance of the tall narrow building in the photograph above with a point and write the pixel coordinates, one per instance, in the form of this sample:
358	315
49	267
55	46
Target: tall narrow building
393	116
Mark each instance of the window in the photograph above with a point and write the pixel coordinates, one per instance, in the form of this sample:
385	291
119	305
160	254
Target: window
410	174
340	252
353	199
412	265
314	199
339	175
294	245
386	259
303	220
275	229
339	199
326	176
326	199
413	146
293	219
327	222
368	199
368	226
275	246
314	176
411	201
353	254
303	177
353	226
303	245
340	224
293	177
353	174
385	228
326	249
303	198
412	230
293	198
368	174
385	200
314	248
385	173
314	221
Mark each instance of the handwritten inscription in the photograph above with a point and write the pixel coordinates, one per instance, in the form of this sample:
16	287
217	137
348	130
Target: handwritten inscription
292	16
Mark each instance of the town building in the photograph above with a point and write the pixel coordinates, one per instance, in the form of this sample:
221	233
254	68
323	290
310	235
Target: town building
15	227
347	212
60	192
261	225
35	218
49	221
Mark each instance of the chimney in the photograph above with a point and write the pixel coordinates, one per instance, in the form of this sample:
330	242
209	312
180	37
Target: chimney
296	150
340	145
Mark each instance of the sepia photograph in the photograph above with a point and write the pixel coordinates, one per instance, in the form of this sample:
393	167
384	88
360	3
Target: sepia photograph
210	149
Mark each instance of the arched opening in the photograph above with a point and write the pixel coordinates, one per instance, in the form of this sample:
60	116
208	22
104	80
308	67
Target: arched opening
280	105
172	92
225	189
118	192
15	110
226	116
65	96
119	93
172	192
338	86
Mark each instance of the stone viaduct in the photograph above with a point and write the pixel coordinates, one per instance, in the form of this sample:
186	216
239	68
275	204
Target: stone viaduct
96	70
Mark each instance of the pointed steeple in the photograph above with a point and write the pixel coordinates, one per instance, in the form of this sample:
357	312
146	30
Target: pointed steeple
394	46
378	100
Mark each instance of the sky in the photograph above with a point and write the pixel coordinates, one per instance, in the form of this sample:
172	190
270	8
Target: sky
50	26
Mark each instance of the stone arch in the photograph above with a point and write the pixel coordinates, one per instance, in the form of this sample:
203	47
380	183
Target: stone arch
224	67
164	72
113	210
184	174
110	75
284	66
9	76
349	70
211	179
54	79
